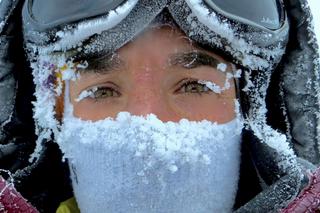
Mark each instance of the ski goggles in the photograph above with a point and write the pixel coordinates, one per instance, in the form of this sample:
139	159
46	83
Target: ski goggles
265	14
253	32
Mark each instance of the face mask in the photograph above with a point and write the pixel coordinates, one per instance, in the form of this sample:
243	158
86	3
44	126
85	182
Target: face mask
141	164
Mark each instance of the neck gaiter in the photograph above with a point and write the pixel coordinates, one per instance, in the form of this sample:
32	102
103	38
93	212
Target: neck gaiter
141	164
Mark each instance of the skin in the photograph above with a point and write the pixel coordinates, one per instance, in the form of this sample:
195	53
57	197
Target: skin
154	74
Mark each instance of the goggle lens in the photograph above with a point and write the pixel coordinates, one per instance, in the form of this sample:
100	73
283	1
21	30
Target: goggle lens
266	13
55	12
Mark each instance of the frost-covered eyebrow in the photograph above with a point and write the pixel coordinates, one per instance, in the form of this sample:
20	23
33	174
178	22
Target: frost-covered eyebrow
112	62
104	64
193	59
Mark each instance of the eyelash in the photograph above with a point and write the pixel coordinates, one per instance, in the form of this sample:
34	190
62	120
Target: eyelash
193	86
187	86
107	91
98	93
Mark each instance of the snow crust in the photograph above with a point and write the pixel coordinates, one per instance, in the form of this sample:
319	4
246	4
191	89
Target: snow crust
236	41
49	73
72	39
141	164
278	142
171	140
315	7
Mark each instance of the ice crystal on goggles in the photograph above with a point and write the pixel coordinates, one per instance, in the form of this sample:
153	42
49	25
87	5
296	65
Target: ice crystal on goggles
51	13
253	32
260	13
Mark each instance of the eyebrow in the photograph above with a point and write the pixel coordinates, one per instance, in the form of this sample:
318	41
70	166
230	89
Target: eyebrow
112	62
102	65
193	59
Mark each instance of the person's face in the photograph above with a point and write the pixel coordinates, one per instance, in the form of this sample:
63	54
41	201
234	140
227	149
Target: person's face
157	73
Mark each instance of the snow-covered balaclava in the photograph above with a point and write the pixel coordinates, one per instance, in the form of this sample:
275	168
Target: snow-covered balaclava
141	164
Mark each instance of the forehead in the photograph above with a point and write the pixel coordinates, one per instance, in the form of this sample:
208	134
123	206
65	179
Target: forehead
162	40
162	46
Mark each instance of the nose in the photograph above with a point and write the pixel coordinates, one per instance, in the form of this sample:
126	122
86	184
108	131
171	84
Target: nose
151	101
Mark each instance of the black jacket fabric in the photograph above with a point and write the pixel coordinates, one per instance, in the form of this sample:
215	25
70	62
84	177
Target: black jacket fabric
264	186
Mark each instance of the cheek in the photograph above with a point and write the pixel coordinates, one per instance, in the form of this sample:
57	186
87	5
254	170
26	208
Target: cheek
217	109
90	109
93	110
223	112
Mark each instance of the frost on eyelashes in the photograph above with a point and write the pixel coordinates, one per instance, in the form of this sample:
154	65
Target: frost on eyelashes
86	93
222	67
218	89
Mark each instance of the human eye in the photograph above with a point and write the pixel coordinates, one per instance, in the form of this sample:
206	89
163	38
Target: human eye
98	93
192	86
105	92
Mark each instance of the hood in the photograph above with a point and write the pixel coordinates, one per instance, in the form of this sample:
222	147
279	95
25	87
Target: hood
7	80
300	82
281	106
286	133
285	102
